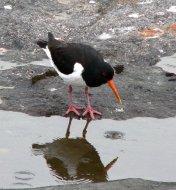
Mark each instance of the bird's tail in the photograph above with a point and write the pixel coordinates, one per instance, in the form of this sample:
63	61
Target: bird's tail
42	43
51	41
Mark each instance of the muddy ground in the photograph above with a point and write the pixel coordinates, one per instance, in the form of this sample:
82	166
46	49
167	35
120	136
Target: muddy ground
145	89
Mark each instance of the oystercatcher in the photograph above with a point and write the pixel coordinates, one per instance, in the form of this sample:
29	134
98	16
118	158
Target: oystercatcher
79	64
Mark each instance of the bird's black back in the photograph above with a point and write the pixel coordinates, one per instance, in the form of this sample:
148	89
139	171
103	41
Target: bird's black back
65	55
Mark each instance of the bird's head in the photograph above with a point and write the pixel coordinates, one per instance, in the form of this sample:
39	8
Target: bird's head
107	76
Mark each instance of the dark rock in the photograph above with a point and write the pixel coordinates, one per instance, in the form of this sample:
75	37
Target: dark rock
126	184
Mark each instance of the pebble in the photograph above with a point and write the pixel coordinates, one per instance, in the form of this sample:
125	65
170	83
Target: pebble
9	7
104	36
172	9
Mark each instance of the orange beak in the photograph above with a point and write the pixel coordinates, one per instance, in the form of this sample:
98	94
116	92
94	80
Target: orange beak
111	84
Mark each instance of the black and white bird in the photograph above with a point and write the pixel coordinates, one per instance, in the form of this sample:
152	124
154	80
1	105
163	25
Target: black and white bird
81	65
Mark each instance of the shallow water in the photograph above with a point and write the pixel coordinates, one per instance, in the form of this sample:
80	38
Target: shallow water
5	65
40	151
168	64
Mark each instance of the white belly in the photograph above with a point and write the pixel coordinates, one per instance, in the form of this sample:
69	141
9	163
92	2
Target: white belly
70	79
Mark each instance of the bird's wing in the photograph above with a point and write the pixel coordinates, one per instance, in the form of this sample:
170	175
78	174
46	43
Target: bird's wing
63	59
42	43
66	55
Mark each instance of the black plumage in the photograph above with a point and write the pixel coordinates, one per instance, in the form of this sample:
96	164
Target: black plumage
94	71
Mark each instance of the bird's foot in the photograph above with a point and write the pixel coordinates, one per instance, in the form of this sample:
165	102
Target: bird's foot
73	108
89	110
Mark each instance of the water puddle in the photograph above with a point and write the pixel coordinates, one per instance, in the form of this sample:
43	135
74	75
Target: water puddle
168	64
5	65
6	87
45	151
44	62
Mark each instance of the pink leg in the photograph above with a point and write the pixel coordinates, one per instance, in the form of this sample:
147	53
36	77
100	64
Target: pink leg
72	108
89	110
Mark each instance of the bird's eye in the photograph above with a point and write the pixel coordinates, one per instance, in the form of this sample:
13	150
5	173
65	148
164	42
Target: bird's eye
104	74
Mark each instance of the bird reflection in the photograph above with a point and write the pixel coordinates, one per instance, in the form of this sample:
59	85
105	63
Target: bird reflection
74	159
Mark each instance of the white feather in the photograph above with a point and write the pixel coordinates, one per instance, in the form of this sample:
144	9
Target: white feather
73	78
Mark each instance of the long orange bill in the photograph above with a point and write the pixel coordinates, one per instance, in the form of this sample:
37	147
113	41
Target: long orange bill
112	85
110	164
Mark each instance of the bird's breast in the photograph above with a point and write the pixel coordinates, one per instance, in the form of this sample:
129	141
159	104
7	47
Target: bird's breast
74	78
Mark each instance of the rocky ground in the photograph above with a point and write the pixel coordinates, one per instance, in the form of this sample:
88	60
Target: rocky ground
128	184
135	33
